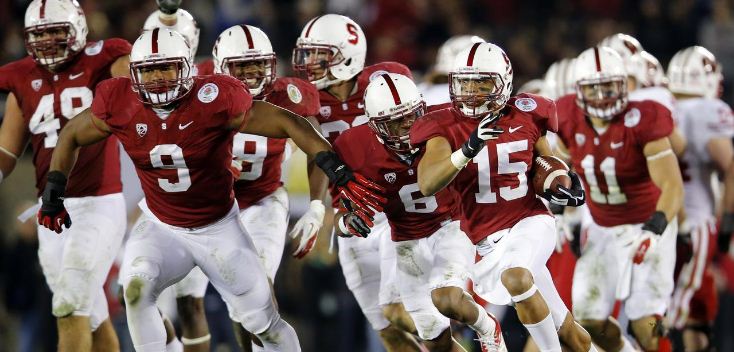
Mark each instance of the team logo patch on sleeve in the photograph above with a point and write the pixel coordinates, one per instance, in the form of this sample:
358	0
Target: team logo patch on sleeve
580	139
208	92
377	73
325	111
141	128
391	177
94	49
36	84
632	117
526	104
294	94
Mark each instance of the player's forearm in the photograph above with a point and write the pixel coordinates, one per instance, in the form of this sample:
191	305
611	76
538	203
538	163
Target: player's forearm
678	142
666	176
317	182
435	176
65	153
305	136
7	163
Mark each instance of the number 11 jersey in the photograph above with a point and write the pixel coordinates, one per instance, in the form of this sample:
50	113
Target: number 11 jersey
611	162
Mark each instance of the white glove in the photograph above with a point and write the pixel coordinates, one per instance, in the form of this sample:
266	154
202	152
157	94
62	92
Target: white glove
641	245
563	232
308	226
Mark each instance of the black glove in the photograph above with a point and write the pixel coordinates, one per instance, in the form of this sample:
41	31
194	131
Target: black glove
169	7
479	136
656	224
52	213
357	223
726	227
573	197
354	187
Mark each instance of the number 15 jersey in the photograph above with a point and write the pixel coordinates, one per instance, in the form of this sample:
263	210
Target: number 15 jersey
611	162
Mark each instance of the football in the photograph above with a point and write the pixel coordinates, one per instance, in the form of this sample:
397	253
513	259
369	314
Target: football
548	173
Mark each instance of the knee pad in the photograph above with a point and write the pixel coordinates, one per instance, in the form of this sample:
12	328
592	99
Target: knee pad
73	293
429	324
257	321
140	280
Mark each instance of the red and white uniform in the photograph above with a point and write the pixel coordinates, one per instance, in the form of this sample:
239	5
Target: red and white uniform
259	190
695	296
183	161
75	264
361	258
500	211
621	197
432	251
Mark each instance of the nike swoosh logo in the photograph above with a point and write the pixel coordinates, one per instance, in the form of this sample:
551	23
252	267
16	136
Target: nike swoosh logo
180	126
616	145
360	106
497	240
513	129
76	75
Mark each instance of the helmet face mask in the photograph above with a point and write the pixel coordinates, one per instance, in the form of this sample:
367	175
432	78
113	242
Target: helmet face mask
160	82
477	94
312	62
257	73
50	44
603	98
394	129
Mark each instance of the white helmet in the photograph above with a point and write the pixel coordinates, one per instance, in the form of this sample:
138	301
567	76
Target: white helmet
51	15
160	48
481	64
246	44
449	49
331	49
181	22
695	71
625	45
601	82
392	102
559	79
646	69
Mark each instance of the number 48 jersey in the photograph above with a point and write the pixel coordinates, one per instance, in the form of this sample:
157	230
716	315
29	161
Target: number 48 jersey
493	188
49	100
611	162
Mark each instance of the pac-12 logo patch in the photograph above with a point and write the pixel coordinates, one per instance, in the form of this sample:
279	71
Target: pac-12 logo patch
325	111
141	128
208	92
294	94
36	84
391	177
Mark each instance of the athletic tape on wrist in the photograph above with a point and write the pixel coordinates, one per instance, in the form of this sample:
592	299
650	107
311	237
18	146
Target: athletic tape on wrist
525	295
459	159
195	341
343	226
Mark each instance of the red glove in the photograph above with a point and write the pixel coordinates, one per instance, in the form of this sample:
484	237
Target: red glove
355	188
53	213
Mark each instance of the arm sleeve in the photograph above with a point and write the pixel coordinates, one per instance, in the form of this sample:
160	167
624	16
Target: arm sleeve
655	122
101	103
116	47
395	67
240	100
424	129
6	79
564	112
546	115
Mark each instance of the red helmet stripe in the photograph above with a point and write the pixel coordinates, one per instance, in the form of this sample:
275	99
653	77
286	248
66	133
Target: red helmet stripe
154	40
597	58
248	36
472	52
310	25
393	89
42	13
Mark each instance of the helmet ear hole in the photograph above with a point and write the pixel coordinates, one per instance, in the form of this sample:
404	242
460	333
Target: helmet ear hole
348	62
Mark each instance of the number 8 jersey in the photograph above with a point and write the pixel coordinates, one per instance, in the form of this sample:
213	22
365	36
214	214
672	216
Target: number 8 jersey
493	188
49	100
611	162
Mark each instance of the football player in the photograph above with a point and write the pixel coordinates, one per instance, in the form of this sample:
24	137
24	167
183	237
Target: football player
433	254
608	139
330	53
694	76
179	130
435	88
482	148
46	89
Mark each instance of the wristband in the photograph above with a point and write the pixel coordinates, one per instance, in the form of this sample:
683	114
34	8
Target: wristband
657	223
459	159
343	226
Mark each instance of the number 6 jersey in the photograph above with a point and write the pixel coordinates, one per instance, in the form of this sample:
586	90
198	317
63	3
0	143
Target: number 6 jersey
183	157
49	100
611	162
493	188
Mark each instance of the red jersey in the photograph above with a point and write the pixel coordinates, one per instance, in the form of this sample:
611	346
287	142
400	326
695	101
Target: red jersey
48	100
183	157
612	164
410	214
261	156
337	116
204	68
493	188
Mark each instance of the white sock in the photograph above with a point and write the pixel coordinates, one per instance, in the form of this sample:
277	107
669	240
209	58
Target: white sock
627	345
280	337
174	346
484	325
545	335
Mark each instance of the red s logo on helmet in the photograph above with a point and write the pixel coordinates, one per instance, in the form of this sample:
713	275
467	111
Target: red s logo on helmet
353	37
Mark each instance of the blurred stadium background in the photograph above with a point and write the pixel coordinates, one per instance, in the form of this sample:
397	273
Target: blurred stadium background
311	292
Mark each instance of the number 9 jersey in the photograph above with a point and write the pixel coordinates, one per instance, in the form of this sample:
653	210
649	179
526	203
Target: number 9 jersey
49	100
611	162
